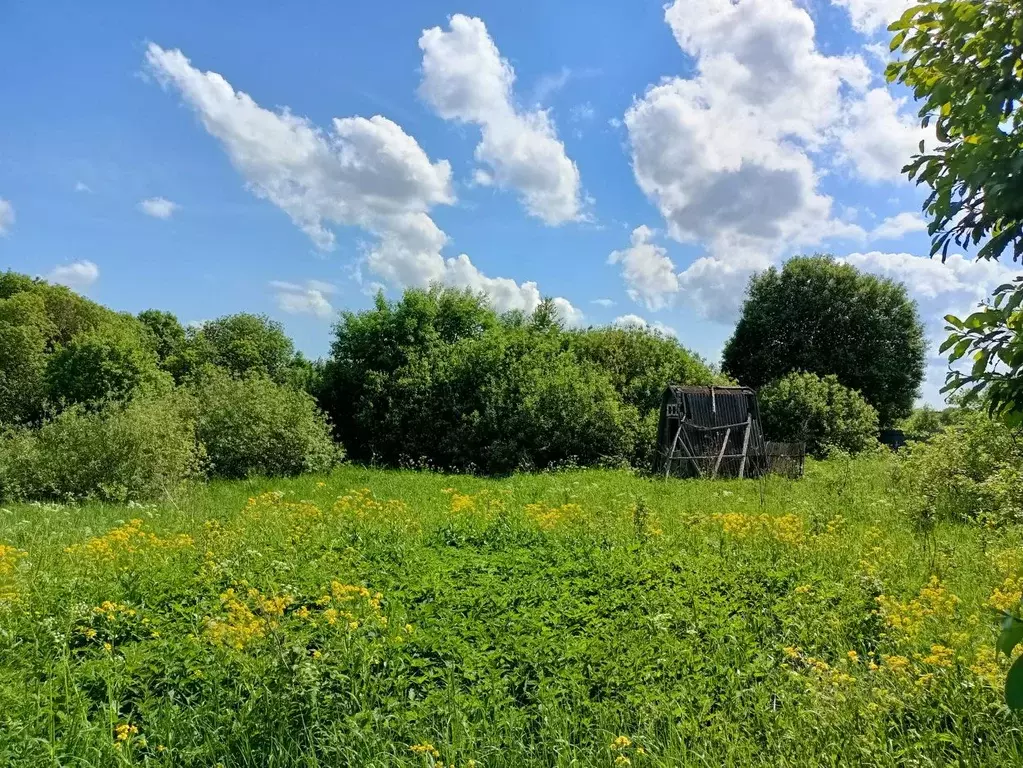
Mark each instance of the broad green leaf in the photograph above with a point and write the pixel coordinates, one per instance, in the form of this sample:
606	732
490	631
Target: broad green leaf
1010	636
1014	685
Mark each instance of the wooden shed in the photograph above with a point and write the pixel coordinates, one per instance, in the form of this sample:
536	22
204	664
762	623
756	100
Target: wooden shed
710	432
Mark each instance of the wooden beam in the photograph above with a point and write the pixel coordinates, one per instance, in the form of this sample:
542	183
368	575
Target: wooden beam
721	453
745	446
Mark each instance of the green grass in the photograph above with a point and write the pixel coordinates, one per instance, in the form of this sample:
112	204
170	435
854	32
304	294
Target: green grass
530	621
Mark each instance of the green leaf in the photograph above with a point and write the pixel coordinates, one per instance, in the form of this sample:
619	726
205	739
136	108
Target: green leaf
1014	685
1010	636
959	350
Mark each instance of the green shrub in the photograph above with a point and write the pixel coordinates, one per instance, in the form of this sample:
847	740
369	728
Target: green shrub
969	471
820	412
110	364
254	426
139	450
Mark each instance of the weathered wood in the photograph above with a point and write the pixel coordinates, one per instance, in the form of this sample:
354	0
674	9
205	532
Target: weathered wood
745	446
721	453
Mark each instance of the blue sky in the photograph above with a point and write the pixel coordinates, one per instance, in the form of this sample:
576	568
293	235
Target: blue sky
637	161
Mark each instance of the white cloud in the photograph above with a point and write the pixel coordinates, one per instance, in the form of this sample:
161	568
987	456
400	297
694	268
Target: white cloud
929	278
81	186
727	154
730	154
78	275
603	302
158	207
465	79
870	16
307	299
898	225
878	136
6	216
635	321
648	272
367	173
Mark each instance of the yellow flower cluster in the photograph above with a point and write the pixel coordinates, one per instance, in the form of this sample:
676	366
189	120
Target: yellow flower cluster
940	656
985	666
624	747
244	622
127	539
9	557
362	503
1007	596
934	602
125	731
112	611
549	518
353	606
787	529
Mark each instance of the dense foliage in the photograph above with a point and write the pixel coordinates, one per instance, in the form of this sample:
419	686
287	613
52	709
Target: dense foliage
440	379
140	450
541	620
819	411
962	60
240	344
252	425
80	386
970	471
823	317
97	366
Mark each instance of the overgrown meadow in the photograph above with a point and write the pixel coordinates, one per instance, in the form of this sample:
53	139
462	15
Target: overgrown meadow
588	618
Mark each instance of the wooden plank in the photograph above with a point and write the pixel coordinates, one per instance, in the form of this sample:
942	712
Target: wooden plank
721	453
745	446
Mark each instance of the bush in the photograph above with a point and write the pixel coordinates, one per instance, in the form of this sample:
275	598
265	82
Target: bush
969	471
134	451
254	426
440	379
98	366
820	412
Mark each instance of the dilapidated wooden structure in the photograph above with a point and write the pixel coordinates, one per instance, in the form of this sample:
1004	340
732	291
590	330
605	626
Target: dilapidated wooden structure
710	432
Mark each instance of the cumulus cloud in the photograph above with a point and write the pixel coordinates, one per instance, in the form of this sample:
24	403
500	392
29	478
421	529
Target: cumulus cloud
158	207
78	275
635	321
81	186
648	272
603	302
899	225
879	136
929	278
6	216
869	16
365	172
309	298
729	154
465	79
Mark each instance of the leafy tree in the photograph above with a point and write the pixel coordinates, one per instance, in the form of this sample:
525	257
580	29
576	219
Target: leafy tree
165	334
818	411
926	421
241	344
97	366
961	58
823	317
24	332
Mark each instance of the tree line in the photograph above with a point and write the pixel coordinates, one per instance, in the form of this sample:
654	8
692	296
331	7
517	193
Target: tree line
435	379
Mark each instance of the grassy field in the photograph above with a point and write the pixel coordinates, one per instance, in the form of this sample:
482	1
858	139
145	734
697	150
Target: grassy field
591	618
